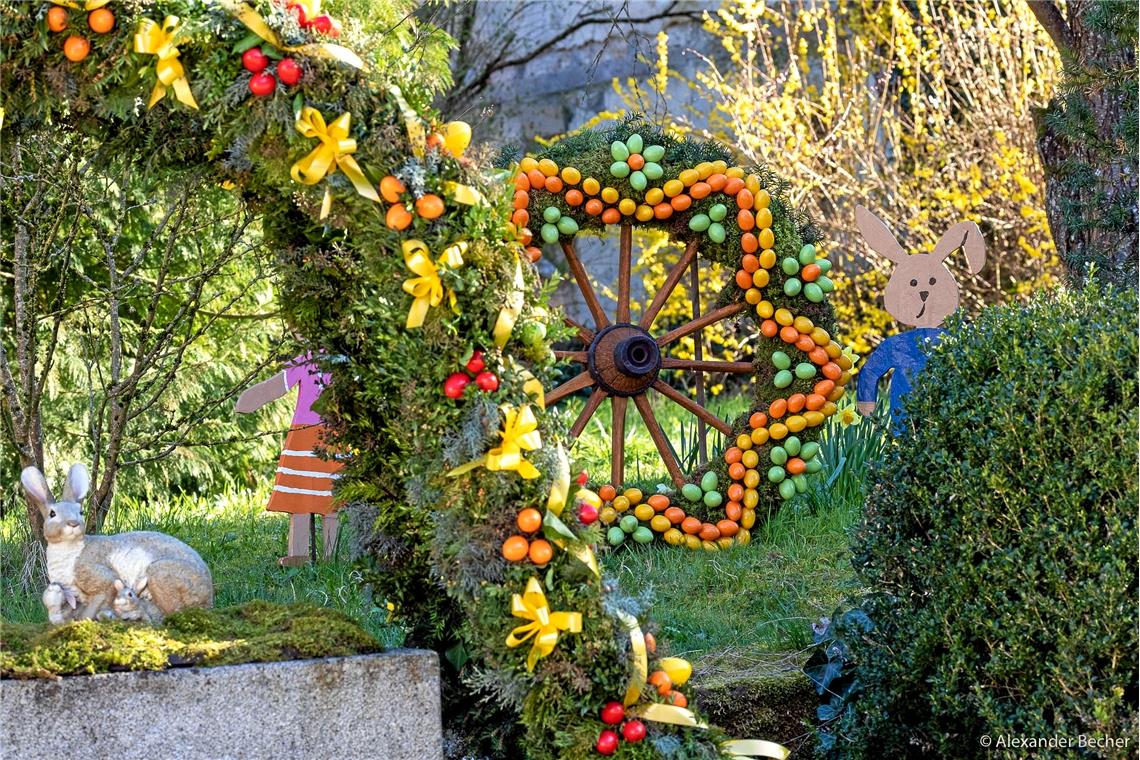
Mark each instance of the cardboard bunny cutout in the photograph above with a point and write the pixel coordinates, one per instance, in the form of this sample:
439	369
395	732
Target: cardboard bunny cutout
304	481
921	293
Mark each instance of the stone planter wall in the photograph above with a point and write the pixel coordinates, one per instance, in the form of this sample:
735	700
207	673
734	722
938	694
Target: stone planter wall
380	706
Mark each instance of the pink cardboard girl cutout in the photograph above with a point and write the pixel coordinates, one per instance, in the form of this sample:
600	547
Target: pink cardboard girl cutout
304	483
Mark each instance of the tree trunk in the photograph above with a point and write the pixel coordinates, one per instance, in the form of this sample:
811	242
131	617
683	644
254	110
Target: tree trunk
1086	139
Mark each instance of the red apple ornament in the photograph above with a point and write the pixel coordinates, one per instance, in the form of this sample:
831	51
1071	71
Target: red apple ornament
613	713
262	84
254	60
633	731
607	742
583	478
322	24
475	364
455	383
588	513
487	381
289	71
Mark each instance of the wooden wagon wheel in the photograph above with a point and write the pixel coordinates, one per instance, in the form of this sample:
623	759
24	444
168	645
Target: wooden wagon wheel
623	359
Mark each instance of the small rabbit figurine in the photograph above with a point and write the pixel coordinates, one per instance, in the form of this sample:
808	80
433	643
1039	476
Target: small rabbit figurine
88	566
134	602
920	293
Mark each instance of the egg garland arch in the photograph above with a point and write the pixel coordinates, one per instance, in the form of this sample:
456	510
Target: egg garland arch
639	177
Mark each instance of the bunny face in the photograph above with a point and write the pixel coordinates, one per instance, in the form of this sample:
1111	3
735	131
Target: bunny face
921	292
63	520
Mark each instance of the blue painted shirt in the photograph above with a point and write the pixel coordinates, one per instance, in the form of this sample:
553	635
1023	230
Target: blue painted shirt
904	353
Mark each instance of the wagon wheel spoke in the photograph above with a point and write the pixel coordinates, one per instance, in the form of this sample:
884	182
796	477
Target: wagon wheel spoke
699	354
687	403
707	365
574	356
671	281
576	383
625	253
617	439
596	399
583	280
702	322
585	334
660	441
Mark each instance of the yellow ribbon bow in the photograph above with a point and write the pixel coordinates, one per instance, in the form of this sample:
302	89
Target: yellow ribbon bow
544	625
426	287
87	5
153	39
519	434
256	24
334	152
510	311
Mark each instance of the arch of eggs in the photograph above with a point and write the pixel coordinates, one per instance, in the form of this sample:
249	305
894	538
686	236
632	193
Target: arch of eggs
769	447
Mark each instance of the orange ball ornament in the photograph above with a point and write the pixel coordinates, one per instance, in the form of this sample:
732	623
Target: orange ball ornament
101	20
540	552
515	548
529	520
430	206
662	681
75	48
57	19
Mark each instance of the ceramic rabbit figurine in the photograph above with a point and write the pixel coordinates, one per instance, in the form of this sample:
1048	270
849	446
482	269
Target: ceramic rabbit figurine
88	566
134	602
922	293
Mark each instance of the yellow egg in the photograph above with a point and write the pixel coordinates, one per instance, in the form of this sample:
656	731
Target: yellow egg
752	295
634	495
833	350
760	436
820	337
724	542
692	542
548	167
803	324
704	169
768	258
673	537
609	195
586	496
750	458
844	362
654	195
751	498
689	176
766	238
765	309
735	172
607	515
784	317
829	409
709	546
570	175
719	167
796	423
644	213
590	186
760	278
621	504
527	164
643	512
814	419
673	187
456	137
764	218
762	199
744	537
778	431
659	523
751	479
744	441
752	182
748	519
627	206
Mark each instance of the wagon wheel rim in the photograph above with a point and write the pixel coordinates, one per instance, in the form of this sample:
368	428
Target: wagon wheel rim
623	360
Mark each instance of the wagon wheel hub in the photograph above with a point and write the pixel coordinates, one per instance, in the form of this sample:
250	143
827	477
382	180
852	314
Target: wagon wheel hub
624	360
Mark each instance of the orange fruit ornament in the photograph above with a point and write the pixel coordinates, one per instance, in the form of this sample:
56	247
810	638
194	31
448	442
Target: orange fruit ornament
390	189
515	548
398	217
75	48
101	20
541	552
57	19
650	643
529	520
429	206
662	681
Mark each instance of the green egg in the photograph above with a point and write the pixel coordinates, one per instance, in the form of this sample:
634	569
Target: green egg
619	169
692	492
699	223
813	292
807	254
653	153
619	151
716	232
778	455
643	535
718	212
781	360
713	499
551	214
653	170
787	490
813	466
776	474
710	481
810	449
826	284
805	370
790	266
567	226
615	535
792	445
792	286
628	523
638	181
549	233
824	265
800	482
634	143
783	379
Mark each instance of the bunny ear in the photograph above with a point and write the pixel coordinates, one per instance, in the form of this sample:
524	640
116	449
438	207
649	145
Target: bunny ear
140	584
36	486
119	585
78	482
878	236
968	237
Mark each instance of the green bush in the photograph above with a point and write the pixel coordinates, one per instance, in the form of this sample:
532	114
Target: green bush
999	541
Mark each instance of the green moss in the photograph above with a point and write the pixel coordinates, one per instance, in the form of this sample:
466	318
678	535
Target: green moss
773	706
252	632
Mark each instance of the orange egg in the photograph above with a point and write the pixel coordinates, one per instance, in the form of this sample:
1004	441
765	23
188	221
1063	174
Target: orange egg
744	200
677	699
75	49
769	328
607	493
778	408
529	520
733	510
574	197
709	532
662	681
521	182
795	466
733	455
789	334
811	273
749	242
520	217
57	19
831	371
736	492
824	387
553	185
593	207
818	356
101	20
796	402
651	643
659	502
691	525
515	548
540	552
805	343
611	216
430	206
744	219
728	528
662	211
815	402
717	182
537	179
744	279
681	202
736	470
398	217
675	515
757	420
533	254
636	161
733	186
700	190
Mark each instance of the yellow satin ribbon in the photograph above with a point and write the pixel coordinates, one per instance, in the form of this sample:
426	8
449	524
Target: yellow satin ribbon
544	625
509	313
464	194
426	287
256	24
153	39
639	658
560	486
88	6
412	123
334	152
519	434
755	748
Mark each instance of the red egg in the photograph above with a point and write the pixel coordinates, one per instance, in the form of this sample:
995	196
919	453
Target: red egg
487	381
455	383
613	713
633	731
607	742
289	71
254	60
262	84
588	513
